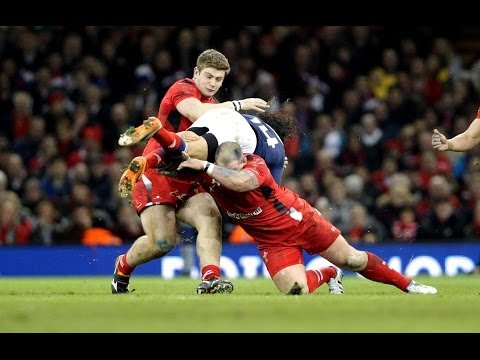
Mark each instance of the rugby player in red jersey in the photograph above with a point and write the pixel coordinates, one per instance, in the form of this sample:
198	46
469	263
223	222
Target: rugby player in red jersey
283	224
166	199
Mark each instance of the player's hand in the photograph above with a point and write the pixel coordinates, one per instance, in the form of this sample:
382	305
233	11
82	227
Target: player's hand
170	169
193	164
439	141
255	104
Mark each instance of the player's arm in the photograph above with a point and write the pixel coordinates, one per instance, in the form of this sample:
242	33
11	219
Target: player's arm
466	140
192	108
236	180
461	142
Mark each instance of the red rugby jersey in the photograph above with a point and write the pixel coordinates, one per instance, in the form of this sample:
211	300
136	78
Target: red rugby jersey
168	114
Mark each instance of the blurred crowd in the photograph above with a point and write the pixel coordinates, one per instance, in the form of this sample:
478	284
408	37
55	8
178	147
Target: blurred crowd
366	98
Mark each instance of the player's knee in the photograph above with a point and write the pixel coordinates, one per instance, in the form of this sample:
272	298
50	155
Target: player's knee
355	260
296	288
163	247
213	214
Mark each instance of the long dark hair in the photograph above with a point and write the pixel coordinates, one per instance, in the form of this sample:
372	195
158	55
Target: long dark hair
285	125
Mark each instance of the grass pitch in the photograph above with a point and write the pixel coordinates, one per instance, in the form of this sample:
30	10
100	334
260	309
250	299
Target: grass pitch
86	305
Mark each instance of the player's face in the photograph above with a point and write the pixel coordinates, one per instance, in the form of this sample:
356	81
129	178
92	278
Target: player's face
209	80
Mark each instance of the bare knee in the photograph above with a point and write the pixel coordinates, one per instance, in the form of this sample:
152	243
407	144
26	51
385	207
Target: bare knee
163	247
292	280
157	246
356	260
293	288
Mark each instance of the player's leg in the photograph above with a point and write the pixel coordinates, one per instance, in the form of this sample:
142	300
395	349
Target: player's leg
370	266
154	159
159	224
201	212
286	268
198	147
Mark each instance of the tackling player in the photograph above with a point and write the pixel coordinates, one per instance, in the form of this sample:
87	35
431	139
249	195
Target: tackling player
283	224
165	198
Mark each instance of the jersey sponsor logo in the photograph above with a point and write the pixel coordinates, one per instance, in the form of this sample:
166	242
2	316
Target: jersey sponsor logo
255	212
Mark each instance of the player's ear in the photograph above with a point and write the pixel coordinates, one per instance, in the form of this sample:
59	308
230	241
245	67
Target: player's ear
244	160
196	72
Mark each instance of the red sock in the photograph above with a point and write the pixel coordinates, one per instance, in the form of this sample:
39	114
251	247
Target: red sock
378	270
170	141
123	266
210	271
315	278
156	158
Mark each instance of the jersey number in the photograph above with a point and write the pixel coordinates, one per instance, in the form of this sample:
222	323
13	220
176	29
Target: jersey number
271	141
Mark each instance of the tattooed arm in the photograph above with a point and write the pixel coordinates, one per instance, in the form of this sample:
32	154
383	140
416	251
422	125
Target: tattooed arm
236	180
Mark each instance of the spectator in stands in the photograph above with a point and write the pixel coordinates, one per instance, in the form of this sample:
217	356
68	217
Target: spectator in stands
364	229
438	188
356	190
28	145
32	193
3	182
443	222
390	204
21	115
15	226
55	183
405	227
16	172
47	224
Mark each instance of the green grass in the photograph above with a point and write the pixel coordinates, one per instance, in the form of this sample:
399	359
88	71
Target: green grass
85	305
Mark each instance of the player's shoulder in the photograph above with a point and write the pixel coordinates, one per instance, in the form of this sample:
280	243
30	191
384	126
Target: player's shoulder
182	83
255	160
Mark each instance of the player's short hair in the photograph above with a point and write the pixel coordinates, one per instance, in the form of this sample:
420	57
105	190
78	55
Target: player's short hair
228	152
212	58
